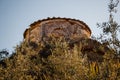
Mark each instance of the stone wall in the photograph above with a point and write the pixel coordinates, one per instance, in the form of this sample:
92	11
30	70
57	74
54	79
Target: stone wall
70	29
74	31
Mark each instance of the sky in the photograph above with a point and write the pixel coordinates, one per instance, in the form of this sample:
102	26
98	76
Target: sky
17	15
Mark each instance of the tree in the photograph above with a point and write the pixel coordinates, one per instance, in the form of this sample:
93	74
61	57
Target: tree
111	29
3	54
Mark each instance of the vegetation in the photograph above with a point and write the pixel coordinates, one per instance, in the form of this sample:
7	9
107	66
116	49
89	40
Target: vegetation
63	63
56	60
111	29
3	54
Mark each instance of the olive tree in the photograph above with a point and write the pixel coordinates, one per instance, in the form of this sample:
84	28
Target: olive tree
111	28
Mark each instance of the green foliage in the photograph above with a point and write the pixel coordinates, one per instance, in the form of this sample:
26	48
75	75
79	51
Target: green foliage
111	29
55	60
3	54
64	63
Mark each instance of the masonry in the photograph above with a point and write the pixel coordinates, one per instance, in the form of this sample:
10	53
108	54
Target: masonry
72	30
68	28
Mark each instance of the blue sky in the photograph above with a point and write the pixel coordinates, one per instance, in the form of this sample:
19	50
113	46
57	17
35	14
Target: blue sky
17	15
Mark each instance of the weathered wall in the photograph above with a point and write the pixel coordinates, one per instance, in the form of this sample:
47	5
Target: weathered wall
57	27
73	30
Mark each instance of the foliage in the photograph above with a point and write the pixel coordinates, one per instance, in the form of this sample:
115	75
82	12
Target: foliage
111	29
55	60
63	63
3	54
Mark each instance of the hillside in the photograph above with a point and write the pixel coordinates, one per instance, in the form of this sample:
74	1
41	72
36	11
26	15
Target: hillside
60	49
63	63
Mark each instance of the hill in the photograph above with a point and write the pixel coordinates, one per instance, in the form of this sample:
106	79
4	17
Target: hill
58	57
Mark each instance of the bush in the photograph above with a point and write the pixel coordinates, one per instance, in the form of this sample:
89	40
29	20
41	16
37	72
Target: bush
63	63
